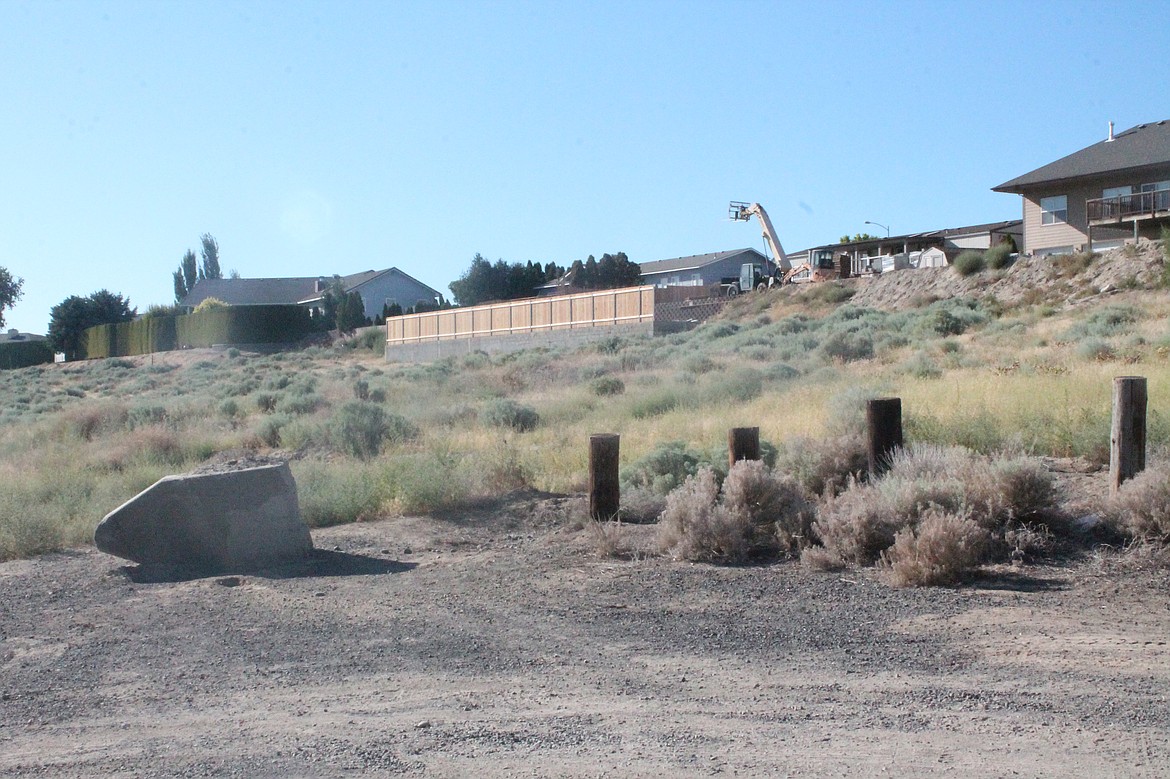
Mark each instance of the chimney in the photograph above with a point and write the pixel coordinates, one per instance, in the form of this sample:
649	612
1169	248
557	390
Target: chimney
1110	138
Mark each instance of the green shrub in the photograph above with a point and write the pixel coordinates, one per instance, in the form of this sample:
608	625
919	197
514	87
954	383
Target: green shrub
331	495
505	412
922	366
999	256
969	263
1095	349
298	403
607	385
941	321
243	325
268	430
830	293
662	469
698	363
847	346
1105	322
22	354
824	466
1070	265
373	340
266	401
653	405
145	415
360	429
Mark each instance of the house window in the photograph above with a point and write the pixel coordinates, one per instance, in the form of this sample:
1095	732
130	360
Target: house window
1156	196
1054	210
1116	191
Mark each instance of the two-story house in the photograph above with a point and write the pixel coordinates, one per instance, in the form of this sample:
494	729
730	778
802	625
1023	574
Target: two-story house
1099	197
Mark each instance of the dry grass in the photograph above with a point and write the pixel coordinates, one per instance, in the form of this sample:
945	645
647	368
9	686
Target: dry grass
695	526
941	549
1142	505
101	428
860	525
759	513
779	513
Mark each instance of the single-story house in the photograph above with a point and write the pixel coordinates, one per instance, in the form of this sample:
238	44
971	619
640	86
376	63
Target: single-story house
933	248
15	336
377	288
1097	198
699	270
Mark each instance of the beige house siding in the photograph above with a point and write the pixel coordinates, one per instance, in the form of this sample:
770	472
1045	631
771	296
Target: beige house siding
1042	239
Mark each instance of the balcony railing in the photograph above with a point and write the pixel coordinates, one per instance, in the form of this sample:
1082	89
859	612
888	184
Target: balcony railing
1125	207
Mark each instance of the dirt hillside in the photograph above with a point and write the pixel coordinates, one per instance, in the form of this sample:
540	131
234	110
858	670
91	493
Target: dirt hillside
1031	279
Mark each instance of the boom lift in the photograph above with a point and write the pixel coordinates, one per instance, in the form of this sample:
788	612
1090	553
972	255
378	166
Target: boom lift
819	267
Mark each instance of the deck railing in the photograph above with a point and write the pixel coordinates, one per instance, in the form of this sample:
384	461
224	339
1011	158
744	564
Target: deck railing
1122	207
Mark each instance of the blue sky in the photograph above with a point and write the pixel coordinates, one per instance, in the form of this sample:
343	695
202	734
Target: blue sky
322	138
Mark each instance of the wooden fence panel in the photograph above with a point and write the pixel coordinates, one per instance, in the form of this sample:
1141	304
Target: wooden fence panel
588	309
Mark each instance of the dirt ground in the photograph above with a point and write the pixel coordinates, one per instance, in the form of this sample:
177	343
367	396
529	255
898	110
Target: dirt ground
498	643
1140	265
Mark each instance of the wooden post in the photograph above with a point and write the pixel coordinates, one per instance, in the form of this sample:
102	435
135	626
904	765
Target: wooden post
743	443
883	421
604	488
1127	439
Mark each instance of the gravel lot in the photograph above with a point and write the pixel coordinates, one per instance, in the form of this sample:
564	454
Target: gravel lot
497	643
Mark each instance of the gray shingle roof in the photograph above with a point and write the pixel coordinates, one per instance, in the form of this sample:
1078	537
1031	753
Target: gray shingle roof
252	292
692	262
277	292
1138	147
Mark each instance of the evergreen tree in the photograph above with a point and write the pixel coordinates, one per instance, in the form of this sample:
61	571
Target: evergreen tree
210	268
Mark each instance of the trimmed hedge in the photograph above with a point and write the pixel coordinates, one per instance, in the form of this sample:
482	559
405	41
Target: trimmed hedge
244	325
22	354
229	325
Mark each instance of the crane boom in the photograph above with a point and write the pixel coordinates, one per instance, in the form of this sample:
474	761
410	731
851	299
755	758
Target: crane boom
744	212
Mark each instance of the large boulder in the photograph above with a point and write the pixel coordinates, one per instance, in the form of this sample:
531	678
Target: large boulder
230	520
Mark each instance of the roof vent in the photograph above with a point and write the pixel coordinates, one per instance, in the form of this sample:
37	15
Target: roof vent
1110	138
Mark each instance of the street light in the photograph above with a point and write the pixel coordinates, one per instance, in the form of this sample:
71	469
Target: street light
878	224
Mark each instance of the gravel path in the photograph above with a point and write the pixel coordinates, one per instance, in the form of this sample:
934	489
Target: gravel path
498	644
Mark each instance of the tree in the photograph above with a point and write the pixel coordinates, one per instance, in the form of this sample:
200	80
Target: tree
210	268
190	271
9	291
69	319
858	237
341	310
484	281
351	313
185	276
479	283
615	271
